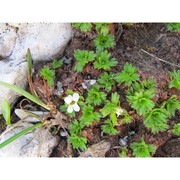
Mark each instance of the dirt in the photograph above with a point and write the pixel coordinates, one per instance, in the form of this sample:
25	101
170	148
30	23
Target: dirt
141	45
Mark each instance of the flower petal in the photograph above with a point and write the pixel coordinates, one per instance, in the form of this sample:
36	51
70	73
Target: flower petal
93	81
68	99
70	109
75	97
119	112
76	107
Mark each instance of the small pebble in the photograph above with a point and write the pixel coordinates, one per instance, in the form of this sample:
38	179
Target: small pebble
88	83
63	133
123	141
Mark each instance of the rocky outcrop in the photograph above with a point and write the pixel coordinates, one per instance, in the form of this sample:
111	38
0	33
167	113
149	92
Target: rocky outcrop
45	40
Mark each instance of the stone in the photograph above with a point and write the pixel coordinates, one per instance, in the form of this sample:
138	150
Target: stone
37	143
97	150
27	118
46	42
12	73
7	40
88	83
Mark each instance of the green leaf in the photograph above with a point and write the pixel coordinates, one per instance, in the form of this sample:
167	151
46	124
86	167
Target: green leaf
104	61
108	128
89	116
175	79
115	99
83	57
6	111
141	149
57	64
77	142
171	105
102	28
76	127
103	42
156	120
16	136
126	119
106	81
84	27
141	101
107	109
128	75
24	93
124	151
173	27
29	60
48	75
176	129
95	96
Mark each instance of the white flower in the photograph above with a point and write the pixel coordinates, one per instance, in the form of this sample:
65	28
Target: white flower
72	102
119	111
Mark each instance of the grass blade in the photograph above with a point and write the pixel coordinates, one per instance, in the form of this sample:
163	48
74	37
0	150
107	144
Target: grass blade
6	111
23	132
25	93
29	60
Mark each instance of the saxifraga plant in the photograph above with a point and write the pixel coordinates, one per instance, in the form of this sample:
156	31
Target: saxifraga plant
141	149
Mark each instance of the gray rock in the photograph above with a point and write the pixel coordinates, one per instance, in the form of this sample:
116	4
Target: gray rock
38	143
27	118
7	40
46	42
123	141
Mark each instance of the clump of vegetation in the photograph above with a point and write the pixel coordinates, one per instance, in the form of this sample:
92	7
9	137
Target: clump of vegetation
124	151
141	101
106	81
89	115
103	42
84	27
128	75
171	105
175	79
176	129
173	27
102	28
48	74
141	149
83	57
156	120
75	138
95	96
109	128
104	61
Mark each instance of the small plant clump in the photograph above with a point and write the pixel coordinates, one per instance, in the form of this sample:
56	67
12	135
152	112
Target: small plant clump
173	27
89	116
102	28
141	149
175	79
128	75
84	27
106	81
48	74
83	57
176	129
95	96
156	120
103	42
104	61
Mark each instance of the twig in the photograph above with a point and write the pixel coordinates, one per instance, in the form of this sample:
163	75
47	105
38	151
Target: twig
159	58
